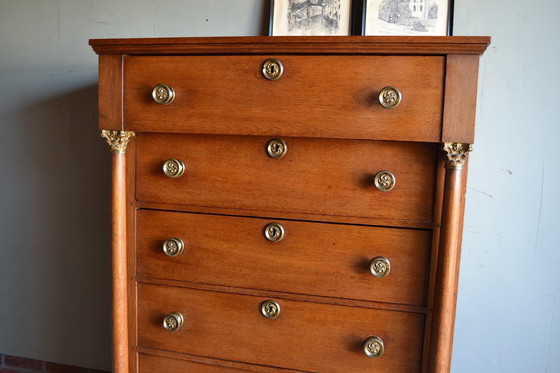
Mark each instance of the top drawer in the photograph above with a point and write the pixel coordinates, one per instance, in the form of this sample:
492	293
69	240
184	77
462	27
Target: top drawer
317	96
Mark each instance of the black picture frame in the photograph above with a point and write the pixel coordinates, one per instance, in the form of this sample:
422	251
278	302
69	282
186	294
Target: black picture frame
362	13
355	18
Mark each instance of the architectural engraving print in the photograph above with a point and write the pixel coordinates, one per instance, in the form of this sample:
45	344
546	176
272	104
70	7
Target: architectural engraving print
118	140
314	14
311	17
407	17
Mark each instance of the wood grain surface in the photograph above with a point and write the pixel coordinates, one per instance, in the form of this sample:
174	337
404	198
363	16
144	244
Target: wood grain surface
153	364
447	279
306	336
461	89
120	265
110	90
324	106
317	96
397	45
320	177
319	259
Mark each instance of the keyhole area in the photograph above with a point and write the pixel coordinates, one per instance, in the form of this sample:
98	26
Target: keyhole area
271	309
274	232
277	148
272	70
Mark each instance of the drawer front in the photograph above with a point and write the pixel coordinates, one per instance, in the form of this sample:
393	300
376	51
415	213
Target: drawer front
330	260
305	336
157	364
316	176
337	94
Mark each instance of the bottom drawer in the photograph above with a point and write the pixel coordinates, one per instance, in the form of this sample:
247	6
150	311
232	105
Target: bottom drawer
155	364
305	336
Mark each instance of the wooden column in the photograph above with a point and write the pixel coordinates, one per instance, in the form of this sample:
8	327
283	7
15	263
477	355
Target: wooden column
118	140
447	279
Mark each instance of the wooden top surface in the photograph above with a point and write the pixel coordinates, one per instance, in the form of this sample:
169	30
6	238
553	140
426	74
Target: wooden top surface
422	45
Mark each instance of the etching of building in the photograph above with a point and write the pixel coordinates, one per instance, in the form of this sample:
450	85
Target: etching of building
417	13
331	12
305	14
418	9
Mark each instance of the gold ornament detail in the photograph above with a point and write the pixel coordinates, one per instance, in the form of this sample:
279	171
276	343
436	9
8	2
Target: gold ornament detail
277	148
380	267
374	347
390	97
274	232
118	140
385	181
270	309
173	321
173	247
456	154
273	69
163	94
173	168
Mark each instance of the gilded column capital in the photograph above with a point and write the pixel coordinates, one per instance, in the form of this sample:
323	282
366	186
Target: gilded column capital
456	154
118	140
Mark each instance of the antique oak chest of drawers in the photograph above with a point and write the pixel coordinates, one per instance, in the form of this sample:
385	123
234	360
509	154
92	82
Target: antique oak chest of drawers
287	204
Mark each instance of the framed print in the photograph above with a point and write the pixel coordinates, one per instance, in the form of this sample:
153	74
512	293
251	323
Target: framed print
310	17
407	17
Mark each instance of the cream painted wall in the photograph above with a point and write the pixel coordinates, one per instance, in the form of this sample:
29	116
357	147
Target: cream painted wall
55	168
54	183
508	316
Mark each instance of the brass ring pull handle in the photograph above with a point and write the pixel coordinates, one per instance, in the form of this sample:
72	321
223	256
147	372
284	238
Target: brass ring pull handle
270	309
163	94
385	181
374	347
380	267
173	321
273	69
274	232
173	247
390	97
173	168
277	148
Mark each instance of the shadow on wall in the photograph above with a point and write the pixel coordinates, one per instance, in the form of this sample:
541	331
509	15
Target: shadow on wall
58	240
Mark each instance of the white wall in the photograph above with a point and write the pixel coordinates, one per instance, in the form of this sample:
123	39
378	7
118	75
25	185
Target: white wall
54	176
55	168
509	298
